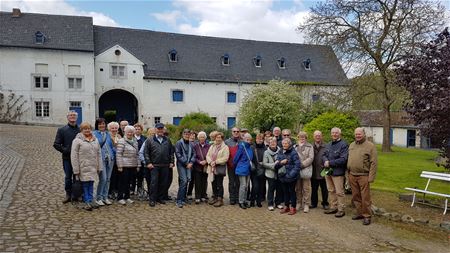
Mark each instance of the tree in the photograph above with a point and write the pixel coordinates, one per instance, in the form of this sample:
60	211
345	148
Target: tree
427	78
373	35
12	106
326	121
268	105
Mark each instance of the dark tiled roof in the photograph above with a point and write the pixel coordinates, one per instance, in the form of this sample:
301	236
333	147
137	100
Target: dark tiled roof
375	118
200	57
61	32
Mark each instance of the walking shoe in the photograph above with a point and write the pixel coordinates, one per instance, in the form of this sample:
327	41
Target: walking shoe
197	201
242	205
107	202
129	201
292	211
232	202
366	221
189	197
67	199
312	206
179	205
100	202
258	204
339	214
326	207
357	217
204	200
162	202
280	206
152	203
212	201
306	209
87	207
252	203
284	210
330	211
131	192
270	208
122	202
219	202
94	205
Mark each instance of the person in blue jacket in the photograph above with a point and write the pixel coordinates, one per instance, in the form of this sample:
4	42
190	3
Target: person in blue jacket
289	159
184	151
242	164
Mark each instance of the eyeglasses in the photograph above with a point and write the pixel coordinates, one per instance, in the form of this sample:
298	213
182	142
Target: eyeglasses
286	135
235	131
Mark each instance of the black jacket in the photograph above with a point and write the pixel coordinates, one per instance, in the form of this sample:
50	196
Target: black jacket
64	138
258	157
337	154
158	154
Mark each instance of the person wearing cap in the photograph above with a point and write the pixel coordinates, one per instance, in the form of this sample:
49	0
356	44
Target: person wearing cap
184	151
233	179
159	159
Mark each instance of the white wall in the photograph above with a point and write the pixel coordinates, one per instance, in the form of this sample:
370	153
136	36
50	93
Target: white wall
17	66
376	133
399	136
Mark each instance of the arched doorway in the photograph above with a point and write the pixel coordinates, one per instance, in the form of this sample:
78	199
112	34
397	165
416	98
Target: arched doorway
115	105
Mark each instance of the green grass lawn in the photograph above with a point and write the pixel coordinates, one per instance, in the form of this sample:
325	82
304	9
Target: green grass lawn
402	168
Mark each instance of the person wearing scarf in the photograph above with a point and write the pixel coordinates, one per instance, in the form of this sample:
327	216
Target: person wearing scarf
270	156
217	157
201	149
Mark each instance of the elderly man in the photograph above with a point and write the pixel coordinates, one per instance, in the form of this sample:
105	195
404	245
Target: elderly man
362	168
123	124
184	151
335	160
63	143
277	133
233	179
317	180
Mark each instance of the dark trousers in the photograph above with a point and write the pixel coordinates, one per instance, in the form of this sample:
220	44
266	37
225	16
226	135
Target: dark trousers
191	185
217	186
279	196
158	184
148	178
132	181
68	177
168	183
124	182
257	185
201	184
233	185
315	184
140	175
114	181
263	189
290	197
271	191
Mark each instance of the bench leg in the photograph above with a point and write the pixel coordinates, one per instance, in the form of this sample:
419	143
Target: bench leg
445	207
414	199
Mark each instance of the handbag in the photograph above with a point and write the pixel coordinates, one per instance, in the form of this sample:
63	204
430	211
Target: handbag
252	165
220	170
282	171
77	189
306	173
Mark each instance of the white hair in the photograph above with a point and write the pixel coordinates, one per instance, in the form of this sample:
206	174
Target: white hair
247	135
72	112
288	140
201	134
317	132
129	129
111	124
361	129
276	128
336	129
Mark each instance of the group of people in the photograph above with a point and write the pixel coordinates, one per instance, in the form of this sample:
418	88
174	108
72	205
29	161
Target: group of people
286	173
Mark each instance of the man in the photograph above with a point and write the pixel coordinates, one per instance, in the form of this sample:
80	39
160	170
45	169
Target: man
277	133
317	180
233	179
286	133
335	160
63	143
243	132
362	168
122	124
158	154
184	151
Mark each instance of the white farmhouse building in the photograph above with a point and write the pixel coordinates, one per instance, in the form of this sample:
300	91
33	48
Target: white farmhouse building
142	75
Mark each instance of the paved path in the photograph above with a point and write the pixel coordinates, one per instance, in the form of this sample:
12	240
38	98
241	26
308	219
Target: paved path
37	221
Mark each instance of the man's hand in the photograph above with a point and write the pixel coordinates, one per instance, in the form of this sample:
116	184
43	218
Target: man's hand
203	163
171	165
189	166
120	169
150	166
284	161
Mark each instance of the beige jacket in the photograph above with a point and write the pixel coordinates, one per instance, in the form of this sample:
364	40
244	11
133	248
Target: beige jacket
222	156
86	157
127	155
306	154
362	159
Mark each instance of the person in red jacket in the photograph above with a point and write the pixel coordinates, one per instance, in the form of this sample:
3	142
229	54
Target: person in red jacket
233	179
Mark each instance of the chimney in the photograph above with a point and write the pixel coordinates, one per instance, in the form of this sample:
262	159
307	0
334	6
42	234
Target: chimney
16	13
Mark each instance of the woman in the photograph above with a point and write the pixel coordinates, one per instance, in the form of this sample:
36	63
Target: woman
86	159
267	136
127	158
303	188
184	152
201	168
113	129
138	178
108	158
191	184
270	156
257	175
289	160
243	162
217	158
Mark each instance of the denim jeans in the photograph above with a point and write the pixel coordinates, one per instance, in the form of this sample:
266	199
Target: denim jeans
243	187
270	191
68	176
88	190
184	176
104	180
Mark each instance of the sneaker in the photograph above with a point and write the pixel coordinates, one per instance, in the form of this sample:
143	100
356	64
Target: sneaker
271	208
204	200
326	207
330	211
94	205
152	203
162	202
87	207
280	206
100	202
179	205
339	214
129	201
306	209
292	211
122	202
366	221
67	199
107	202
197	201
284	210
357	217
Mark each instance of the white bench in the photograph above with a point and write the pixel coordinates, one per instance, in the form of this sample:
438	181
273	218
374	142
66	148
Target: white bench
435	176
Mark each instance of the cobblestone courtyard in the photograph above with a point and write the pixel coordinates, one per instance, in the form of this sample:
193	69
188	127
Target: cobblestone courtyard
33	219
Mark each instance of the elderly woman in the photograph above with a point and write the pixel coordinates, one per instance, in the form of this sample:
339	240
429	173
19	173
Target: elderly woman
86	159
201	168
108	159
243	163
288	165
137	179
127	158
257	175
217	158
184	151
303	188
270	156
113	129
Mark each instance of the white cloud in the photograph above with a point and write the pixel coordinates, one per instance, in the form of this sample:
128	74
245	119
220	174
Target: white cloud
245	19
56	7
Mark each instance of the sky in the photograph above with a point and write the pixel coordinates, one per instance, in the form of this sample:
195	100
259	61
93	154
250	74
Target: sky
268	20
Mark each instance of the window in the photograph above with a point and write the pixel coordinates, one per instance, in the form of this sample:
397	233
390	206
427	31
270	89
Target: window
42	109
177	120
118	71
257	61
39	37
75	104
177	96
231	122
231	97
315	97
41	82
226	60
173	55
281	63
307	64
214	119
75	83
157	120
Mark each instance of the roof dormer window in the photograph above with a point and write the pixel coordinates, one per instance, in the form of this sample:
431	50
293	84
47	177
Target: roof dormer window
39	37
226	60
257	61
173	55
281	63
307	64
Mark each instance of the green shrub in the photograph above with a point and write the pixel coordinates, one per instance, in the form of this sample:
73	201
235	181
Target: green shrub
326	121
